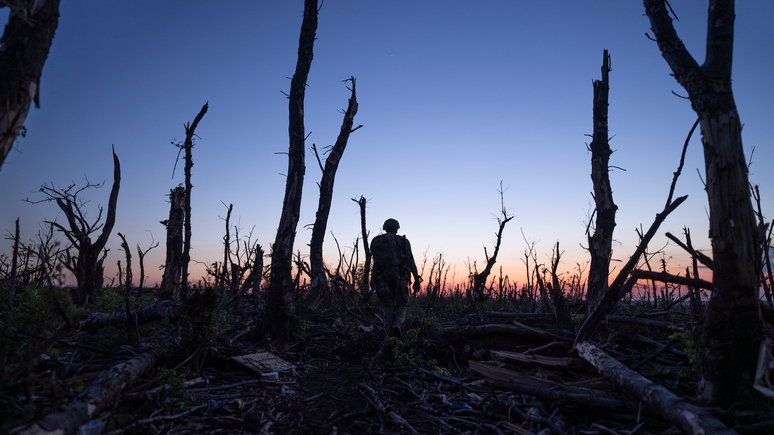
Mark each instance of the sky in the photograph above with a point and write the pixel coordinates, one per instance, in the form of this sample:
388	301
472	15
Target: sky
455	97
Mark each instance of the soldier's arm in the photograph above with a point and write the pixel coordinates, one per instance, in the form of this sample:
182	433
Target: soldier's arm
410	260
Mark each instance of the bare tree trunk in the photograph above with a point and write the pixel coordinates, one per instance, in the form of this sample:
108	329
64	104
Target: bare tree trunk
141	259
188	146
14	265
364	285
696	306
281	278
600	244
319	284
729	343
25	45
127	284
226	249
560	308
173	265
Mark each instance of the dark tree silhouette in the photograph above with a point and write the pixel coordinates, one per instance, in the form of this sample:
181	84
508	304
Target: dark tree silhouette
87	263
170	281
281	277
319	278
600	243
728	345
24	49
188	146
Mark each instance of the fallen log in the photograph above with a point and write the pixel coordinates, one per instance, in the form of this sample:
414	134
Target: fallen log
97	397
640	321
565	398
498	329
161	310
689	418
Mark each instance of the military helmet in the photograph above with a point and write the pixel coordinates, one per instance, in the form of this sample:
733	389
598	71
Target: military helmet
391	225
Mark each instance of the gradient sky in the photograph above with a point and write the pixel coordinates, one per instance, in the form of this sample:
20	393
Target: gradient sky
455	97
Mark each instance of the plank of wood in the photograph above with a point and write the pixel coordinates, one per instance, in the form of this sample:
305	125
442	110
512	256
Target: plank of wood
264	362
539	360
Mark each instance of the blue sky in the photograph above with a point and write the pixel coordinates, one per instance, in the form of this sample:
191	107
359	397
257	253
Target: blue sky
454	96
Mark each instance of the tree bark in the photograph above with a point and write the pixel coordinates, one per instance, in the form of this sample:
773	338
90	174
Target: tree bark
24	49
281	278
172	267
319	278
601	242
730	341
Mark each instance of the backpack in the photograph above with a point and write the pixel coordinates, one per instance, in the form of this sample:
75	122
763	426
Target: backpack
389	258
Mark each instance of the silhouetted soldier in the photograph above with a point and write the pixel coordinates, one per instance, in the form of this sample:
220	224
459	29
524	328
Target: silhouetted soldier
390	277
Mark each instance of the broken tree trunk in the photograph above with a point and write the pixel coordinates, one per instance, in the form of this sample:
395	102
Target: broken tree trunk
601	242
557	296
170	281
14	265
364	286
188	146
25	45
97	397
319	278
623	283
619	286
281	277
690	418
166	309
730	340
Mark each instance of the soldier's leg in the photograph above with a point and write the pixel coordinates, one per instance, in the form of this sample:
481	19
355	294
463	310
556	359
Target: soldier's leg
387	302
401	305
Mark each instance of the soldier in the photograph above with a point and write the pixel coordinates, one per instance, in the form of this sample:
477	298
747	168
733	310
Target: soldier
391	275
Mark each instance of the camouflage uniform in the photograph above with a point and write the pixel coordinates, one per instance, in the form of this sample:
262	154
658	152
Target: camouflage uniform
394	296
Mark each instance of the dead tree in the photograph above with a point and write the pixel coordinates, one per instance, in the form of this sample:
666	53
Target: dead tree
170	281
479	279
319	278
561	312
141	259
14	265
24	49
281	277
364	285
223	278
732	332
600	243
622	283
188	146
127	283
86	263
